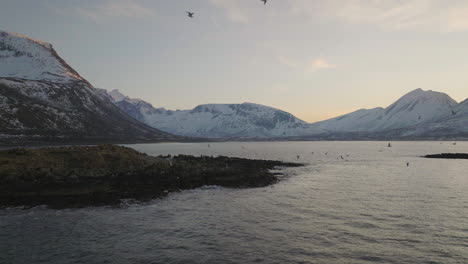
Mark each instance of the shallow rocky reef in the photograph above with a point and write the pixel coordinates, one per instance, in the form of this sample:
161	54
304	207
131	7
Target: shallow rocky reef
81	176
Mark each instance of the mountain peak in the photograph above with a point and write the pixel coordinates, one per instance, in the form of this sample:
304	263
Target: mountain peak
420	96
26	58
246	120
42	98
117	96
17	35
416	107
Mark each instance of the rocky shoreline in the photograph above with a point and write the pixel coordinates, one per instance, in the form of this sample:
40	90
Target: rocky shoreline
448	156
82	176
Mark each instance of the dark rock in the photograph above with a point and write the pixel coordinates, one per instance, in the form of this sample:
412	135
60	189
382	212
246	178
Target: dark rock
105	174
448	156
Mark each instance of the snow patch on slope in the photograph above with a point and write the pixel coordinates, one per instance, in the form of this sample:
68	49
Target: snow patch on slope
246	120
117	96
26	58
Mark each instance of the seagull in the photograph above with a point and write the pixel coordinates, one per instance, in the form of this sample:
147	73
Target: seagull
190	14
264	1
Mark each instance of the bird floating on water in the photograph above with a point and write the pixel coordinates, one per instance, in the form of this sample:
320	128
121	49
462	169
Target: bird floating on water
407	164
190	14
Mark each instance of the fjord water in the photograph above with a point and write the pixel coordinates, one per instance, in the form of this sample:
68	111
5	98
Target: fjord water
369	207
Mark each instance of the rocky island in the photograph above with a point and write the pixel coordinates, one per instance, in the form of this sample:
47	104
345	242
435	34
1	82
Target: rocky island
103	175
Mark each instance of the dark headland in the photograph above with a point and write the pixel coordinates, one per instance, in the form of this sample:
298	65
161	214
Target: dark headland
448	156
103	175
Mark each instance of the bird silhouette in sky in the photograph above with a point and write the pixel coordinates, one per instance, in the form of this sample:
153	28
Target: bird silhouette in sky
190	14
264	1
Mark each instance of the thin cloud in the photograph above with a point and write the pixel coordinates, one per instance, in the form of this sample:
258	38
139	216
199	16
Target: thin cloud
234	10
109	9
429	15
310	66
320	64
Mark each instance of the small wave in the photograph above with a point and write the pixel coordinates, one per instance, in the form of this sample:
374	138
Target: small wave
126	203
210	187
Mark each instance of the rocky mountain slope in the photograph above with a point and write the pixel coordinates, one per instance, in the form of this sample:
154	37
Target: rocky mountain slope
43	99
245	120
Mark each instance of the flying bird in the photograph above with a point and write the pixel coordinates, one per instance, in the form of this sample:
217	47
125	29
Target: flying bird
190	14
264	1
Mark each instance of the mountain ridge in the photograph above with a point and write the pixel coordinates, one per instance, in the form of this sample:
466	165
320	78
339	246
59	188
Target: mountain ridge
246	120
413	108
43	99
416	110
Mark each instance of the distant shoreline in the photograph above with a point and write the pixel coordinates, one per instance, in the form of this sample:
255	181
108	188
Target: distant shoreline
40	144
447	156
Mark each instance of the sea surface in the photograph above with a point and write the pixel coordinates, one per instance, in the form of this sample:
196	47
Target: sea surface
354	202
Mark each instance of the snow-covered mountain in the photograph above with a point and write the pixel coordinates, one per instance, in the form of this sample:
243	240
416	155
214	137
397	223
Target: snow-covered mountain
461	109
415	108
454	126
418	114
43	99
23	57
245	120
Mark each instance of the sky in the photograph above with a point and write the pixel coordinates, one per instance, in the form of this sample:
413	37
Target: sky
316	59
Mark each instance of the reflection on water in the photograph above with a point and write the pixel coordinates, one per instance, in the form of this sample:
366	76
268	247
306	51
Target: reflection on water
367	207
